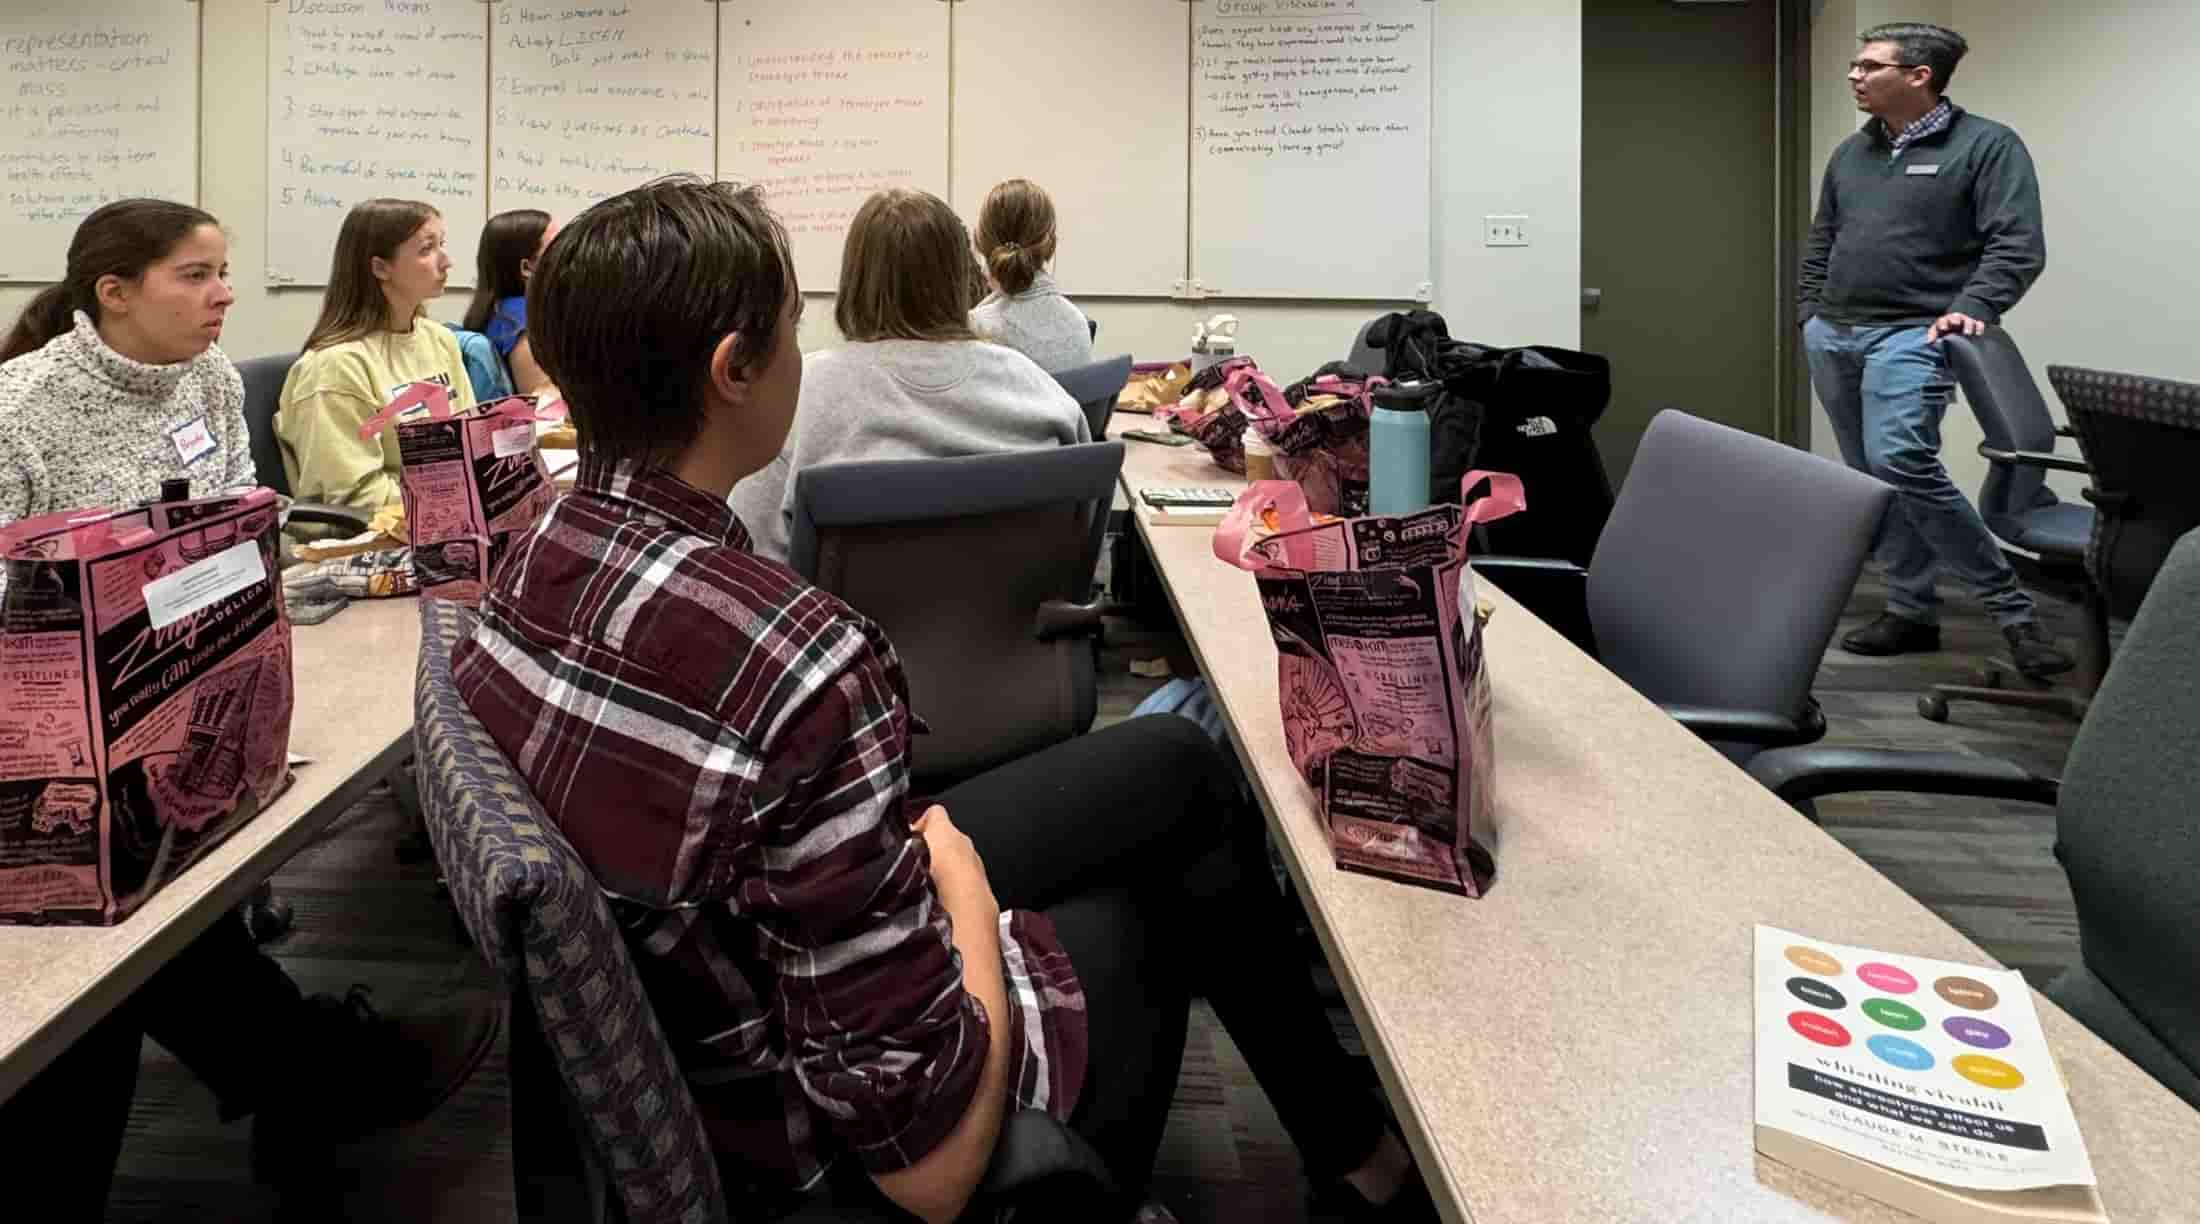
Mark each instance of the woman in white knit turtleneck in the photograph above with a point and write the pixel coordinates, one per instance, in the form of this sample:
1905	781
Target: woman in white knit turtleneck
113	383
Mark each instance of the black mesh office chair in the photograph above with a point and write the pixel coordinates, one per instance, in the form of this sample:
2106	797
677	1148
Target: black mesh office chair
2142	437
2042	536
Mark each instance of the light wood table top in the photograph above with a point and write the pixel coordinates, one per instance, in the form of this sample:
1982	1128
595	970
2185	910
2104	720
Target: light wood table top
1577	1044
353	716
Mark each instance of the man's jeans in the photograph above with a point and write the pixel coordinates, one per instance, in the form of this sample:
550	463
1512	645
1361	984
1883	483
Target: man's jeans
1885	390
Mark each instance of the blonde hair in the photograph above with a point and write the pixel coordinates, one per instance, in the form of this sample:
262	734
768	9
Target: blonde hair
1016	233
904	271
354	307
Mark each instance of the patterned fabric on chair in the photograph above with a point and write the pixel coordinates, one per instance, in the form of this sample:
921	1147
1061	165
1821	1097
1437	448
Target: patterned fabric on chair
536	914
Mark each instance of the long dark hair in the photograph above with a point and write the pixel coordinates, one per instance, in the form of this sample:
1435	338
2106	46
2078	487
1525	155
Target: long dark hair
353	306
119	239
508	240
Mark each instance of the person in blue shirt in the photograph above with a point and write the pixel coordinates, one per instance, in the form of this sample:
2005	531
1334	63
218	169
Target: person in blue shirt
510	244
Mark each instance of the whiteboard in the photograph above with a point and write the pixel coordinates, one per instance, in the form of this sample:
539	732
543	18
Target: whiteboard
1310	148
1088	101
589	98
824	104
101	104
371	98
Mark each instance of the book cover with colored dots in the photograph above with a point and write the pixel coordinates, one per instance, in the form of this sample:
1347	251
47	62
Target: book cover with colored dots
1922	1083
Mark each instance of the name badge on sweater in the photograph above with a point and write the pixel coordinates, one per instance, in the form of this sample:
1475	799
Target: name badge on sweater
1932	169
193	441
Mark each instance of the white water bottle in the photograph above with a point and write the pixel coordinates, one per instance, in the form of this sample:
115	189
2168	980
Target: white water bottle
1214	342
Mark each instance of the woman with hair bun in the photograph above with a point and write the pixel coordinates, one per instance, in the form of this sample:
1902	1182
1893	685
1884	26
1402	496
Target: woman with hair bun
1025	311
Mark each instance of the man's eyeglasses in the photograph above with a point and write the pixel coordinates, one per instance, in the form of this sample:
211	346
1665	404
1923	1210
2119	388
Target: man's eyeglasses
1868	67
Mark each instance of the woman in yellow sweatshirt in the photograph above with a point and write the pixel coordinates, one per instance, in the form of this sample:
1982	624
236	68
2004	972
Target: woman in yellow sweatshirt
374	336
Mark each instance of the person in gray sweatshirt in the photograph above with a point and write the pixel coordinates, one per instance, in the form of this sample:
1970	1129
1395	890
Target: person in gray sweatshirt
1928	225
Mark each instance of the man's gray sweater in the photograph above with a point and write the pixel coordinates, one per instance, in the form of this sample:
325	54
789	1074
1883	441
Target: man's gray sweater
1951	223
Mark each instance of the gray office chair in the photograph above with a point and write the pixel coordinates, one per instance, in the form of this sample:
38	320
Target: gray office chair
1717	581
2142	438
1095	387
263	398
978	569
2125	828
2042	536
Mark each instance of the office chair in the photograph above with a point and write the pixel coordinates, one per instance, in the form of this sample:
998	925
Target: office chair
2042	536
1717	581
2142	437
1095	387
2125	832
978	569
263	398
604	1127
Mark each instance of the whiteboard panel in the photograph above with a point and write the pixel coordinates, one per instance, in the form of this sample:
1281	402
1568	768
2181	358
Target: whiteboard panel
591	99
101	103
823	104
1310	148
1088	101
373	99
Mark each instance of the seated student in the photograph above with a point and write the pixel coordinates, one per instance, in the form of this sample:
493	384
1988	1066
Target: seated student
1025	311
511	245
913	381
373	337
112	383
857	991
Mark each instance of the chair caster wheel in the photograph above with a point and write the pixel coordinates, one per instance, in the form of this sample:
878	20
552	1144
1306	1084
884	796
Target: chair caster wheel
1932	708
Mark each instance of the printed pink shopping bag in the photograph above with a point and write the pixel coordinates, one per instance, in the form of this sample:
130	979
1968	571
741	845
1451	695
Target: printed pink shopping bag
1386	703
470	481
145	698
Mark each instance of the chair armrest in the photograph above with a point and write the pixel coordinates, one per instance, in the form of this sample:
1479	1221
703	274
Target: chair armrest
1038	1158
1799	774
1059	618
1556	590
1751	726
2041	459
347	517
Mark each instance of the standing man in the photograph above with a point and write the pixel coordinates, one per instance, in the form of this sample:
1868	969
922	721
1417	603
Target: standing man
1928	225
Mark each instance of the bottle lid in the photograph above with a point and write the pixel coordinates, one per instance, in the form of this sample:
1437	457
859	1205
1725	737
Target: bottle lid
1410	395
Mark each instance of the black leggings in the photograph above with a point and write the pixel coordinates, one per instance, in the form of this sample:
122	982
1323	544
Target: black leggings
221	1006
1135	842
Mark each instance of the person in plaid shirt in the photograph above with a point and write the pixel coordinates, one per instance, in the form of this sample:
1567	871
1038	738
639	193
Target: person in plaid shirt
857	996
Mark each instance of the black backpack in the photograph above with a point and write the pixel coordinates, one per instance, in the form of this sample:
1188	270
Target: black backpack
1528	411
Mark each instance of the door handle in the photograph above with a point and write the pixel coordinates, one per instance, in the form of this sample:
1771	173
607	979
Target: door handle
1592	298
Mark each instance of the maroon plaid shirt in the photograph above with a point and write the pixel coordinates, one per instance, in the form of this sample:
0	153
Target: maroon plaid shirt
727	748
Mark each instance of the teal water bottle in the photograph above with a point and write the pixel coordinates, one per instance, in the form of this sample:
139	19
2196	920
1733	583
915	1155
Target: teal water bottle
1397	448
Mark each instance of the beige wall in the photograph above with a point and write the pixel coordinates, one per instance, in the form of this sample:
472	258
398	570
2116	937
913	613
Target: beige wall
1508	128
2105	97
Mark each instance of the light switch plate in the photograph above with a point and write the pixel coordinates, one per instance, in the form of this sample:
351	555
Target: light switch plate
1504	231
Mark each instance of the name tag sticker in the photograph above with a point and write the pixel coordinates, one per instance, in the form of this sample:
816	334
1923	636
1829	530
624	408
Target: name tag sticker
1932	169
193	441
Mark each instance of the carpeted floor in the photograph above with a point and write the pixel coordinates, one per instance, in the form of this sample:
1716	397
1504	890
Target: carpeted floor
361	917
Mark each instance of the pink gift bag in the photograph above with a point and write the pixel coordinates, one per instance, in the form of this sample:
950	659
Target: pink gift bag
1386	703
470	481
145	698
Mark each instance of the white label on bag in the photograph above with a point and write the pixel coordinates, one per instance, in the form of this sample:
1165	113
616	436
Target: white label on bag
513	439
170	599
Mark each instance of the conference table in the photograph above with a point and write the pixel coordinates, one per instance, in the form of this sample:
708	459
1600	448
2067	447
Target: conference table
1577	1044
353	721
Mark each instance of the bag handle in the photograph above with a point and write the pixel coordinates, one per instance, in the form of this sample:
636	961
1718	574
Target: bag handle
435	397
1507	496
1271	399
1234	535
